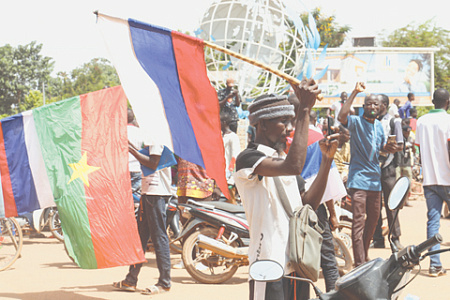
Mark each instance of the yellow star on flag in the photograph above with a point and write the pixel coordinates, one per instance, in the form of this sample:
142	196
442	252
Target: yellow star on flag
81	170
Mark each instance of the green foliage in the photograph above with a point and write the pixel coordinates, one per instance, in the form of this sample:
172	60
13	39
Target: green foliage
330	32
90	77
423	110
32	100
21	69
24	72
426	35
93	76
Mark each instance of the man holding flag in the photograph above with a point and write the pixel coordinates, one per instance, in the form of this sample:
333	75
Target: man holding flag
265	159
155	191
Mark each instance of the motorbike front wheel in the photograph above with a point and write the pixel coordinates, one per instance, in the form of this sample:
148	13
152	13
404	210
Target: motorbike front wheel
55	225
343	257
204	265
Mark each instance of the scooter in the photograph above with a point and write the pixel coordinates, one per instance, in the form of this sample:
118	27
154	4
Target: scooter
215	240
377	279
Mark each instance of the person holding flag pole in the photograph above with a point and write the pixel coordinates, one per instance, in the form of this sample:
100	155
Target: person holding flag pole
155	191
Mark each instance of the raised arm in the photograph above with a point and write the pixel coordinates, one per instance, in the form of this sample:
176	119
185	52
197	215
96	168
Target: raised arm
346	107
237	98
306	92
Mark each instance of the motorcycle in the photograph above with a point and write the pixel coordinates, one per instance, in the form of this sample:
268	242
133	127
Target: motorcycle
215	240
39	219
377	279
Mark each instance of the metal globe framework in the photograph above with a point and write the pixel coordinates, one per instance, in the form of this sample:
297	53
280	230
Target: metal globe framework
258	29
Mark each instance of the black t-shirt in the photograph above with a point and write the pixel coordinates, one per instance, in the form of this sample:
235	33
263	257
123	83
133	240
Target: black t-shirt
228	107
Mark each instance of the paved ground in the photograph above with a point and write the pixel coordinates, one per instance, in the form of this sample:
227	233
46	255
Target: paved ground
45	272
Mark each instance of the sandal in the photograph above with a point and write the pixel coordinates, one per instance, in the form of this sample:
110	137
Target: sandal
154	290
124	286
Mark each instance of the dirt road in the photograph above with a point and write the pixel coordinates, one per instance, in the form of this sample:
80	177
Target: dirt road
45	272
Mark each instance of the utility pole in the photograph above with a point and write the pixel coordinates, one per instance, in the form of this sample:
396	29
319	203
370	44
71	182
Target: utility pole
43	91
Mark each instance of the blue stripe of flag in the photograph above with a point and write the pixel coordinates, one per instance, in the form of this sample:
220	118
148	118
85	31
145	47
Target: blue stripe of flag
313	161
150	42
22	181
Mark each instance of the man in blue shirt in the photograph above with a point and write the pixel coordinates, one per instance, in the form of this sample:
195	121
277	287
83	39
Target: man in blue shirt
366	140
404	110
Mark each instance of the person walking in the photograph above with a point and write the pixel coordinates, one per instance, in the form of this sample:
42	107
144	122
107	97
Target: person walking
433	139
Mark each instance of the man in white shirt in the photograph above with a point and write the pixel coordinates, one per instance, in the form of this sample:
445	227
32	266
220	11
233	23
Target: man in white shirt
135	136
433	139
232	149
264	159
393	110
336	107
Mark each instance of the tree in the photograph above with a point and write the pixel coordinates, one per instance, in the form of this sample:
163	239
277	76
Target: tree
426	35
330	32
21	69
32	100
92	76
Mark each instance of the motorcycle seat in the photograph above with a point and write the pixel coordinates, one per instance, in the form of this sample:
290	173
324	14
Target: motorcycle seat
231	208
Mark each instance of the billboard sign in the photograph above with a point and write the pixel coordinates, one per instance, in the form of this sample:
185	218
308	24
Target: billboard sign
391	71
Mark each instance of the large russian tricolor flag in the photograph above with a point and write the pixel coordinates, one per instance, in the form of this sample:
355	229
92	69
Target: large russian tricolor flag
75	151
335	188
164	75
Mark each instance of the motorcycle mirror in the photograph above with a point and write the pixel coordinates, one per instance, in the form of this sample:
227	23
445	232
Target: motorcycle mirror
266	270
395	201
398	193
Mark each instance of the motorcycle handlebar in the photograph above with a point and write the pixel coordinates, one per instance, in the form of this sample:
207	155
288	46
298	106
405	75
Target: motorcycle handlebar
436	239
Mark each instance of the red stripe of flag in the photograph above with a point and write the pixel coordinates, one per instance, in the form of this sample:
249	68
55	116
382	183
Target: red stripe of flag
314	136
202	104
104	138
8	195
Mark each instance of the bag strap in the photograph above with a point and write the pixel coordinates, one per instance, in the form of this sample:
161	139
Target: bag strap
283	197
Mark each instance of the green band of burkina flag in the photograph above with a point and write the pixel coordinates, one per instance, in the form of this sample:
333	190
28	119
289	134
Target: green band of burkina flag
85	150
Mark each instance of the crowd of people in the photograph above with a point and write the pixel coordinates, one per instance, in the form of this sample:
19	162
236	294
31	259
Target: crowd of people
371	151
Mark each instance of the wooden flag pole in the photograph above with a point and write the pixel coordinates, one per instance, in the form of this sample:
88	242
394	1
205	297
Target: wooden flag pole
288	78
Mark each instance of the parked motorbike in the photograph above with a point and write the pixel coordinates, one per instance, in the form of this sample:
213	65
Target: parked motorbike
377	279
39	219
215	240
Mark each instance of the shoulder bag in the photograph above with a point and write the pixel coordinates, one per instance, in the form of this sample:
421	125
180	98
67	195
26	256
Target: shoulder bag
305	236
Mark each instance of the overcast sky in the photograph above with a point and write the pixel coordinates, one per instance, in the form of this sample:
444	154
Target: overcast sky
69	35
